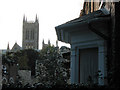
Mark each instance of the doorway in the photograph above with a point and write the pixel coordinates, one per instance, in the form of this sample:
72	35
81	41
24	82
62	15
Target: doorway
88	65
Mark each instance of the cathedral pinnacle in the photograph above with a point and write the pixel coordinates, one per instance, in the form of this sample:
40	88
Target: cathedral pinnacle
49	42
24	18
56	43
8	48
36	19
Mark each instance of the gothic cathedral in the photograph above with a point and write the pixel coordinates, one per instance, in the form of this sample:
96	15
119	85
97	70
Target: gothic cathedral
30	38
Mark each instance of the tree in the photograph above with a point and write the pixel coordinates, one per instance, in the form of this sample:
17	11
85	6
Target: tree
50	67
26	59
23	62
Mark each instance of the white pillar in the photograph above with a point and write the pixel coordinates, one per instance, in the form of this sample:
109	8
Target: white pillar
77	65
72	67
101	63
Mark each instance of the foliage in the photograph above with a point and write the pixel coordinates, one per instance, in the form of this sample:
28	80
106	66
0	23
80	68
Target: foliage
23	62
8	58
50	67
26	59
56	86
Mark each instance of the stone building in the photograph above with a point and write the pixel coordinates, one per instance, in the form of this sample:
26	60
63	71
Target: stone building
15	48
25	76
94	39
30	38
10	72
9	66
45	45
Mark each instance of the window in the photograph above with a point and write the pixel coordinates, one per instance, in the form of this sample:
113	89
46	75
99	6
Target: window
26	35
33	34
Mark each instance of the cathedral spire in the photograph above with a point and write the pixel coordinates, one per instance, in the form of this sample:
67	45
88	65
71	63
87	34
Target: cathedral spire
8	48
49	42
56	43
36	19
24	18
43	43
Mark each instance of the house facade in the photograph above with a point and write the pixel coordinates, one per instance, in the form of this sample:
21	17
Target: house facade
90	37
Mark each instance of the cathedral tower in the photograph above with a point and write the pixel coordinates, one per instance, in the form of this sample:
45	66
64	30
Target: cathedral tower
30	38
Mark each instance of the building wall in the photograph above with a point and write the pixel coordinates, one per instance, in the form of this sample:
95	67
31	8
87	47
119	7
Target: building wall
85	36
12	71
110	6
30	35
25	76
86	39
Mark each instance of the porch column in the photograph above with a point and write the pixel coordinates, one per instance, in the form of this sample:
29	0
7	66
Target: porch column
101	63
74	67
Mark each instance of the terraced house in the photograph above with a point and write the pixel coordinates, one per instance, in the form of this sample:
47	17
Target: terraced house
94	39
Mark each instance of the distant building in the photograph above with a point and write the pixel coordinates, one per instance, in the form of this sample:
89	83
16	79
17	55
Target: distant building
10	72
25	76
9	67
45	45
3	51
30	37
16	48
8	48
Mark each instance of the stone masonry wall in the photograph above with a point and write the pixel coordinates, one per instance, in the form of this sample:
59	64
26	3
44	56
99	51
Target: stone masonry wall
25	76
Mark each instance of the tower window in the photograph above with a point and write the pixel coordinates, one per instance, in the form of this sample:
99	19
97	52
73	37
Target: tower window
26	35
33	34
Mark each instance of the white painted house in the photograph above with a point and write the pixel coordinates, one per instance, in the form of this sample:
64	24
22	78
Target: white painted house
87	36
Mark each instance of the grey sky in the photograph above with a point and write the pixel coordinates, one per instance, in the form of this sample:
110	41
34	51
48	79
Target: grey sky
51	13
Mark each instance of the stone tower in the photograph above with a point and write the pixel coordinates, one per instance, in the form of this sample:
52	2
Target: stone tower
30	38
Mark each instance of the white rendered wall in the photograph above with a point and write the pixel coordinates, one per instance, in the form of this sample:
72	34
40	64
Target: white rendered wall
86	39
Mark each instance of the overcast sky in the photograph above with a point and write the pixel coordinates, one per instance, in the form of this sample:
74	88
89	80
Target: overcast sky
51	13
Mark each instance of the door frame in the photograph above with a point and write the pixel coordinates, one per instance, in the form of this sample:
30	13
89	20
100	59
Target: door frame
79	62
